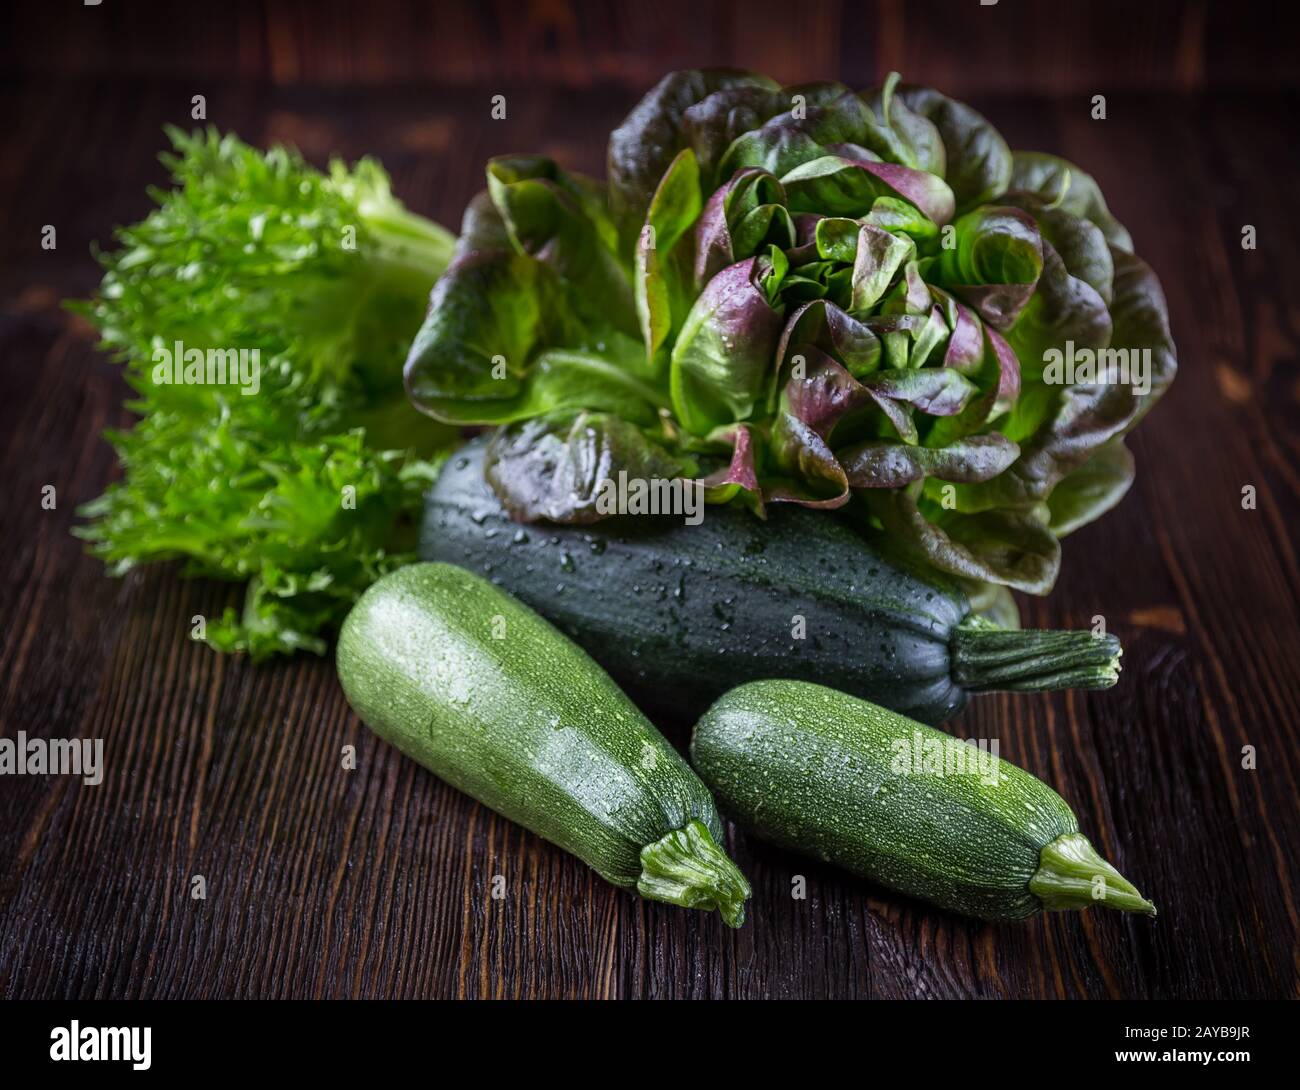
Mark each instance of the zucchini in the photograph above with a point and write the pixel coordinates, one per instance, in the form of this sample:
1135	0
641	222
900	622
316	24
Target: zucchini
677	614
827	775
487	695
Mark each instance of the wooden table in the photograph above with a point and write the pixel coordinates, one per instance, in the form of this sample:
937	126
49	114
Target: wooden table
376	882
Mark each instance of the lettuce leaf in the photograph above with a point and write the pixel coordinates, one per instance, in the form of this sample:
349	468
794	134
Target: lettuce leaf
306	489
840	296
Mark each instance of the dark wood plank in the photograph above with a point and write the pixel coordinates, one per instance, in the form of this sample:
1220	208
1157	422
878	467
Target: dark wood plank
1016	46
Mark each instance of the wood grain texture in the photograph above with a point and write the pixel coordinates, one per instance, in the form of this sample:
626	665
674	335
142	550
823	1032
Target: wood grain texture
376	882
963	46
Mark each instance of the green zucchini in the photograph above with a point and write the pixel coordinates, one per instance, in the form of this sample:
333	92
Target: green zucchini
481	691
827	775
677	614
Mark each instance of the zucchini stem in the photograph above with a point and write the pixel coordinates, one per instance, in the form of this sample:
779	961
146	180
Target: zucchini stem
986	656
1071	874
687	868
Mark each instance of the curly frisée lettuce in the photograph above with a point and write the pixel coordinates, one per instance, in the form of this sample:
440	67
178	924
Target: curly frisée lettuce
302	483
834	298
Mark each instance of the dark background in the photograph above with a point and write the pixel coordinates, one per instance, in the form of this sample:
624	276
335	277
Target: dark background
1013	46
375	883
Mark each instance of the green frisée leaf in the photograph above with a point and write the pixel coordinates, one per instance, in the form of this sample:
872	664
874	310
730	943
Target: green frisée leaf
304	487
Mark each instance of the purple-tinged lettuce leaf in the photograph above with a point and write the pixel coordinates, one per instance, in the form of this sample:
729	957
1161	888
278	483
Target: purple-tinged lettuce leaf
774	148
1008	364
978	163
995	264
820	392
913	295
1085	417
476	359
878	258
902	218
898	134
1141	322
741	219
929	337
721	362
1063	309
835	332
1005	546
712	124
552	468
1061	184
739	477
817	119
641	148
490	308
1091	490
998	379
770	271
559	220
882	463
837	186
833	114
965	348
660	280
897	332
1080	243
816	478
935	391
